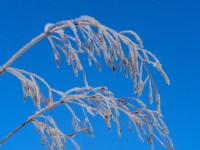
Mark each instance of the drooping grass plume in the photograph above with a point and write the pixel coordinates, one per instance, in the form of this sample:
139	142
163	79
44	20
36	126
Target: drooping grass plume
122	51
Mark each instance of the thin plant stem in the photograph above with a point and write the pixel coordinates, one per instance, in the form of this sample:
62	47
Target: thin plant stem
22	50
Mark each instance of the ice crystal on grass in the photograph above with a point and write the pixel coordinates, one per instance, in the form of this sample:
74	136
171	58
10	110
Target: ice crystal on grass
85	35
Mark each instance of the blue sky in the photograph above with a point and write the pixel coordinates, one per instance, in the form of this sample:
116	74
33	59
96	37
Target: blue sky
168	28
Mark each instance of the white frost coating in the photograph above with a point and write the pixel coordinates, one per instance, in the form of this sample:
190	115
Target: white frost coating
60	32
47	26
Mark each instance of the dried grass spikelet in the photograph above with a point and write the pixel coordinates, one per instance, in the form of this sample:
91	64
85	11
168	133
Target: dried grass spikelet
51	134
31	87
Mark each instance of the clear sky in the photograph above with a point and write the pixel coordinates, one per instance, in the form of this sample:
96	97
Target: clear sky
169	28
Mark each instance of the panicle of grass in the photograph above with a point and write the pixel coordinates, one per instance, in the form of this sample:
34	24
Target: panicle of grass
31	88
95	36
51	134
